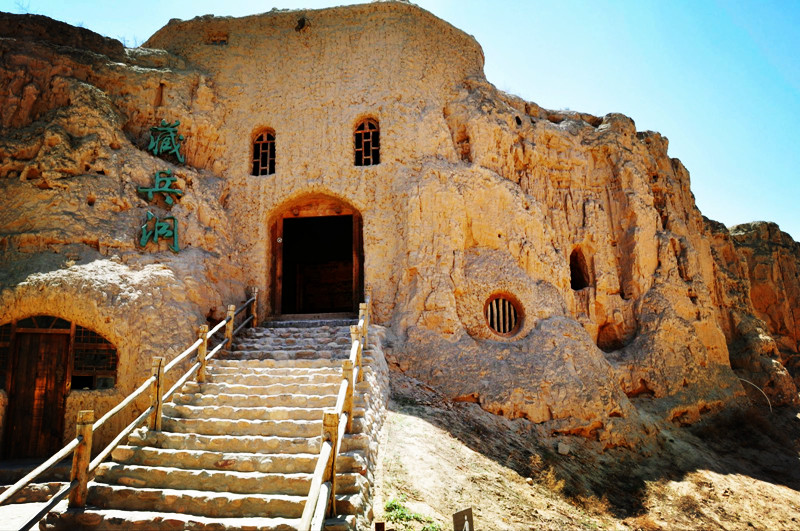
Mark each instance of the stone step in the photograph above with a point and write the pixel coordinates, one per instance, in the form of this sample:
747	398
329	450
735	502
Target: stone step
155	477
209	503
238	400
245	369
241	461
308	323
278	428
242	413
248	413
268	354
241	443
264	379
196	502
270	389
117	520
293	342
277	364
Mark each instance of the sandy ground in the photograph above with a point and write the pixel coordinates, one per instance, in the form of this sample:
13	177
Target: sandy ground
736	471
14	516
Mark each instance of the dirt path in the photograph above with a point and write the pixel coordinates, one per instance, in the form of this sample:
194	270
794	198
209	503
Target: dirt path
438	457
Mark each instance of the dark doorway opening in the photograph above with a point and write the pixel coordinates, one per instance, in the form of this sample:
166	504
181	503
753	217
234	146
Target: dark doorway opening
318	257
579	270
318	264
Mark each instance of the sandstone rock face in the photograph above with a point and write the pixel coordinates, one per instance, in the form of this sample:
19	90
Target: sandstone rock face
773	268
753	351
628	303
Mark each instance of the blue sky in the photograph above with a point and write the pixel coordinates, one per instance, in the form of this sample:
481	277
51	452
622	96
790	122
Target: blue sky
721	80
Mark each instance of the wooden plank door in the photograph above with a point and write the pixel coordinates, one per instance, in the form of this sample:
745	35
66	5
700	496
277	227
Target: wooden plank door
37	394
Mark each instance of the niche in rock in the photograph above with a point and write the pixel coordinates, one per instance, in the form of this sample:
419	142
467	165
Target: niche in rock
579	270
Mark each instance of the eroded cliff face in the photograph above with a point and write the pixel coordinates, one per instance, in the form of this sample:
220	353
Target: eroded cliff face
632	306
772	258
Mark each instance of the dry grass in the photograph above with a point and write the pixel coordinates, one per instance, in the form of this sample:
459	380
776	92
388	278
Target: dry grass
642	523
688	505
593	504
546	475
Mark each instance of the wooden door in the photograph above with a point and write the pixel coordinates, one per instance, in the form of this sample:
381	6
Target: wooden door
36	394
313	206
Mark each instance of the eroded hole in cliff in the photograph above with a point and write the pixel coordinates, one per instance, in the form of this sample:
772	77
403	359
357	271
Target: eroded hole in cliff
610	338
90	199
641	389
464	146
679	248
503	314
579	270
217	38
159	99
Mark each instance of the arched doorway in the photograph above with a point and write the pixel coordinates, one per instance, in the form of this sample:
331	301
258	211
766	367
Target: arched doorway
317	257
41	359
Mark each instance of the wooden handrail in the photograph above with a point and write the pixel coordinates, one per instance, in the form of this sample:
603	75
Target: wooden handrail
39	470
244	323
321	499
113	444
122	405
182	356
244	306
82	467
182	380
50	505
320	512
316	482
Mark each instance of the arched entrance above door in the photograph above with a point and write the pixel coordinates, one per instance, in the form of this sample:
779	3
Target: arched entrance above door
317	257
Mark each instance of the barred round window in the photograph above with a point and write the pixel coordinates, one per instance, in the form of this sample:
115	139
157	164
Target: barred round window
503	315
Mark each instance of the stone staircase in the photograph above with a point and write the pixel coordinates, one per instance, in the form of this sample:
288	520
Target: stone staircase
238	451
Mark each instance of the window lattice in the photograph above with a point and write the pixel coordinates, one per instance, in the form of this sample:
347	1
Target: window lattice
502	315
94	359
5	334
368	143
44	322
94	356
264	154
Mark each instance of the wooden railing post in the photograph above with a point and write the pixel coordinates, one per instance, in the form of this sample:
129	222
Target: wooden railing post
347	374
158	393
354	335
363	314
254	308
229	326
81	458
367	312
330	432
202	351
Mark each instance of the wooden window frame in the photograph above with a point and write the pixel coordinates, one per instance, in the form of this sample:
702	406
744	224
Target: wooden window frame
367	143
508	321
74	345
263	159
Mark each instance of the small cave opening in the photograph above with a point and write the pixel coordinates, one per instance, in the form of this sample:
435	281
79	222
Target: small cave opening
159	99
464	146
578	270
518	120
609	338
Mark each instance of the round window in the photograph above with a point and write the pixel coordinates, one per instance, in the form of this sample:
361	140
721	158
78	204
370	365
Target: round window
503	315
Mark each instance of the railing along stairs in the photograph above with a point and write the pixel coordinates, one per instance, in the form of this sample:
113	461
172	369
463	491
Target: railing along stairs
83	467
321	501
